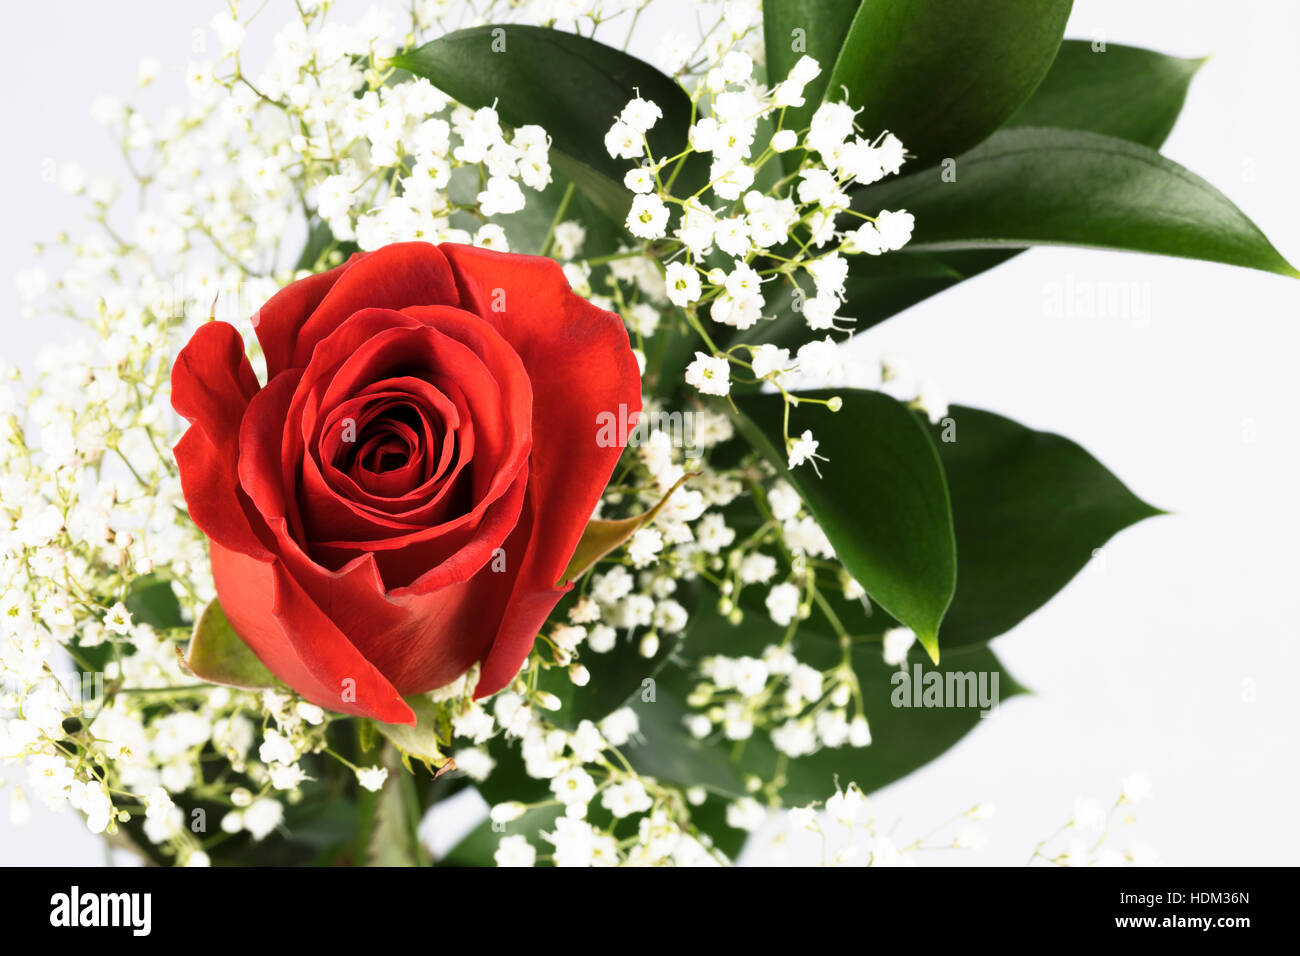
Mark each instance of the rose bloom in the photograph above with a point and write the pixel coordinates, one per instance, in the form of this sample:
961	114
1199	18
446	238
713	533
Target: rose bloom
401	498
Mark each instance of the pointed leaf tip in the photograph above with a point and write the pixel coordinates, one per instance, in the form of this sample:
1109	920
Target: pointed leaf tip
930	642
601	536
417	738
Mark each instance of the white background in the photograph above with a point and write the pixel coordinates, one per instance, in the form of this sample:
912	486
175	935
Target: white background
1177	652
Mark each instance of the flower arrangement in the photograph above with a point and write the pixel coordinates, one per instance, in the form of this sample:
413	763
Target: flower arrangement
461	404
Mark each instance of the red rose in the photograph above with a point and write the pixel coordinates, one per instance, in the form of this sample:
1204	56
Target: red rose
400	500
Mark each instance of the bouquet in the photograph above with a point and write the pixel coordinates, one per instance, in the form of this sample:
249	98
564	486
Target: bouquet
462	407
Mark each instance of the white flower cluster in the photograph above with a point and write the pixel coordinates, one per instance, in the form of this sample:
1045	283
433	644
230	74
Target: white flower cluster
1087	838
95	706
790	229
737	252
587	777
805	707
844	831
103	574
847	833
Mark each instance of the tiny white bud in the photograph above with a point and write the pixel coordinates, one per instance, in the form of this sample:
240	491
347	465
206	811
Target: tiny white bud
784	140
506	812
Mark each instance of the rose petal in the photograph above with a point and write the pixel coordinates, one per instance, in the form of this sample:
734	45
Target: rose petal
278	321
299	643
212	383
398	275
563	341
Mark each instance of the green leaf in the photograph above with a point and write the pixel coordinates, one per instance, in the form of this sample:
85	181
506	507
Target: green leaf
1032	186
1126	92
572	86
1123	91
881	499
322	251
668	752
1030	508
872	296
394	838
942	75
798	28
219	655
420	741
601	536
527	229
152	601
903	738
618	675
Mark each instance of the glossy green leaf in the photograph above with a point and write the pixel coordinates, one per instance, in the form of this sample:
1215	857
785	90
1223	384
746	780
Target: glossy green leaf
152	601
1121	91
881	499
942	75
872	296
527	229
1127	92
798	28
665	750
1035	186
1030	508
219	655
572	86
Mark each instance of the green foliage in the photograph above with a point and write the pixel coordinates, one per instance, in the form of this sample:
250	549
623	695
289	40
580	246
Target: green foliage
943	76
572	86
880	498
1038	186
217	654
903	738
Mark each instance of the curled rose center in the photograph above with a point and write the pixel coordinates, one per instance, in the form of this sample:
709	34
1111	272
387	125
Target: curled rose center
388	443
412	443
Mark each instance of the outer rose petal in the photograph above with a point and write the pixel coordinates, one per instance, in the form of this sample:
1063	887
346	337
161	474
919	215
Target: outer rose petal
212	384
278	321
402	274
581	366
299	643
212	380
